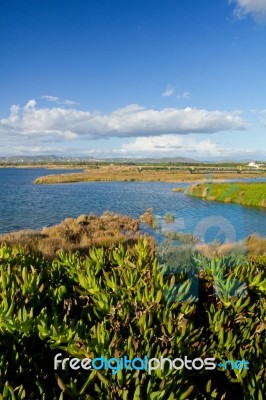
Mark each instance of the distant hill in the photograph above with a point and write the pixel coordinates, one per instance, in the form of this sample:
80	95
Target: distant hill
153	160
45	159
41	159
53	158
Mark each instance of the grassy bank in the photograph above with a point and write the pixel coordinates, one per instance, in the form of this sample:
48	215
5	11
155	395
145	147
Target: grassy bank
249	194
148	173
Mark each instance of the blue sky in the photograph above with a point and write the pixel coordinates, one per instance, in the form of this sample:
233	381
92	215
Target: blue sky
142	78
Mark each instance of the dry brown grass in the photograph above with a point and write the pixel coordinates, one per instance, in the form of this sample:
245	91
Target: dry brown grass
256	245
253	246
148	217
220	250
78	234
177	189
137	173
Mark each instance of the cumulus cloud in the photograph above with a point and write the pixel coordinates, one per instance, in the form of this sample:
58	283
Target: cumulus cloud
257	8
28	106
130	121
171	145
169	91
175	146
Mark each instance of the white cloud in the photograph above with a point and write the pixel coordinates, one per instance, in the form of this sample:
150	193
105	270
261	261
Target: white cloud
261	114
263	117
28	106
179	146
169	91
170	145
257	8
55	99
50	98
174	146
34	127
69	103
183	95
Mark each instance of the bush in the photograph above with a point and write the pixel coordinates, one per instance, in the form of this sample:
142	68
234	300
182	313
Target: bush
169	217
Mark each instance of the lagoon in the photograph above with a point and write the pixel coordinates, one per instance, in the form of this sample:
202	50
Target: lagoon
25	205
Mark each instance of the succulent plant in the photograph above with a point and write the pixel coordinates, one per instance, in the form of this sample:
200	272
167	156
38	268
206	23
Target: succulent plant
119	302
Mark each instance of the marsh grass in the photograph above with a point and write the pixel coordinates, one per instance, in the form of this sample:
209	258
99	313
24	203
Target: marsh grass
78	234
141	173
252	246
181	237
149	218
249	194
217	249
169	217
256	245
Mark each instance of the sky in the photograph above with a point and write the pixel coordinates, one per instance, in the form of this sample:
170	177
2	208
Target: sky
133	78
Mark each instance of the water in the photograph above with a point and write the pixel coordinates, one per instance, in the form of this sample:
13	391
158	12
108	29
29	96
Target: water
25	205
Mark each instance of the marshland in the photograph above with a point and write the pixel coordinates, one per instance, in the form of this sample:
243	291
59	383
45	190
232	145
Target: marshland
161	273
164	172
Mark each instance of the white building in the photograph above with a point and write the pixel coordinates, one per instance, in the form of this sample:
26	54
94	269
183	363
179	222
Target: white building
253	164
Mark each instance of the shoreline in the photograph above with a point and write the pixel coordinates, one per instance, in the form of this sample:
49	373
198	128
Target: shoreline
56	179
139	173
49	241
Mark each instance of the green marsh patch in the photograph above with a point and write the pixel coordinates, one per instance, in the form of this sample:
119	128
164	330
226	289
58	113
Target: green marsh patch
248	194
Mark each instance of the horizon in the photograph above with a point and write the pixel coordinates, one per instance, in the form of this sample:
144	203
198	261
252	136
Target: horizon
174	159
134	80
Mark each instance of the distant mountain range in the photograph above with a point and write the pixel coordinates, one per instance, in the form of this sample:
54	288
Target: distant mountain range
44	158
68	159
53	158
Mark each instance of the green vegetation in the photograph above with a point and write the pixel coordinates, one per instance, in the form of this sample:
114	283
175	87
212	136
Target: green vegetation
249	194
122	301
180	236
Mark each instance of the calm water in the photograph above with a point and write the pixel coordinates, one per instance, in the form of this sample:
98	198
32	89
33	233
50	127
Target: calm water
25	205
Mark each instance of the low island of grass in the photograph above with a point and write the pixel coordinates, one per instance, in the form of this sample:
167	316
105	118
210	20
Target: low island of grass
248	194
149	173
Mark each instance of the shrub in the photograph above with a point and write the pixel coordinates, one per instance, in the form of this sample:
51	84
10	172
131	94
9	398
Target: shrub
169	217
77	234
